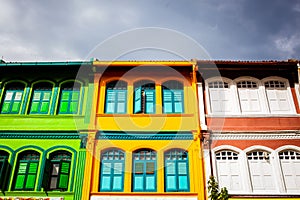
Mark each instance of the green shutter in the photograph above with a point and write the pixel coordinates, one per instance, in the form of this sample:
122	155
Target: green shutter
63	107
20	181
45	107
35	107
5	107
16	107
30	182
73	107
65	95
75	95
64	174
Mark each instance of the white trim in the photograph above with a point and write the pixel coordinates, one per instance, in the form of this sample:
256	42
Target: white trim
201	107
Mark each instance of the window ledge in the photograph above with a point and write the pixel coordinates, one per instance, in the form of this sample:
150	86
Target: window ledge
40	116
36	193
253	116
144	193
146	115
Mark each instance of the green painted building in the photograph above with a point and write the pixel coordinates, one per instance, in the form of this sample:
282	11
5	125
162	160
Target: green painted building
44	117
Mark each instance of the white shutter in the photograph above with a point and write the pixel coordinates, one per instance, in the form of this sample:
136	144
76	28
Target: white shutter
278	101
220	100
249	100
229	174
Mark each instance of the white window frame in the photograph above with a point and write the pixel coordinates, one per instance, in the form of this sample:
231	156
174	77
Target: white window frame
232	89
289	94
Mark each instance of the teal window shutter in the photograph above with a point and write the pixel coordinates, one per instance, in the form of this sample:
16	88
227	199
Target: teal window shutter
116	97
150	101
138	100
112	171
173	99
144	171
176	171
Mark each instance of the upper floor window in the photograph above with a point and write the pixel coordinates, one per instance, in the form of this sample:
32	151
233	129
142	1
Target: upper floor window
112	171
13	97
26	170
41	97
249	96
144	171
116	97
3	167
144	97
228	170
220	97
69	98
278	96
173	99
261	172
57	170
176	171
290	166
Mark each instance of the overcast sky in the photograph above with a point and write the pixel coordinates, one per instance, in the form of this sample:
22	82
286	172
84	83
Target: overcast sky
52	30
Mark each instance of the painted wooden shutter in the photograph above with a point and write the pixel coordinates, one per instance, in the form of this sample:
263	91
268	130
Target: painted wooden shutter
229	174
138	100
167	101
110	101
64	174
220	100
249	100
21	174
121	104
31	176
150	101
278	101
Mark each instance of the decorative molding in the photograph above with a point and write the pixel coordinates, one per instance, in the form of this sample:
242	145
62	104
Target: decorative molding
255	136
34	135
144	136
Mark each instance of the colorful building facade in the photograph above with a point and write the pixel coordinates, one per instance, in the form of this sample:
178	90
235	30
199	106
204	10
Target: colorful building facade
42	113
250	120
144	141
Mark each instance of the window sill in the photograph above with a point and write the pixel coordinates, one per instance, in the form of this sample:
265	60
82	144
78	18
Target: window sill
146	115
252	115
36	193
40	115
144	193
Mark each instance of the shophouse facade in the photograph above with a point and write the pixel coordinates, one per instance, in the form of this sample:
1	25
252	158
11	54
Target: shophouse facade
250	121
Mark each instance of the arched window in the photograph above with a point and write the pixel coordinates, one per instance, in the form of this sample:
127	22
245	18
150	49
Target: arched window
173	99
220	97
112	171
144	97
228	170
176	171
248	92
13	98
116	97
3	168
57	171
144	171
41	97
26	170
278	96
69	98
261	173
290	165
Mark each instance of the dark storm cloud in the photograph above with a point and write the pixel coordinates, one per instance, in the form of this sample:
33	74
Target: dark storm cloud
69	30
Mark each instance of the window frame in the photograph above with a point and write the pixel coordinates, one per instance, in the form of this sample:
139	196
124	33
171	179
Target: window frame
143	89
171	88
115	89
112	175
40	87
34	158
144	173
176	174
77	88
13	87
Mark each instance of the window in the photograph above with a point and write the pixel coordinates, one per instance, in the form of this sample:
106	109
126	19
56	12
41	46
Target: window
220	97
261	175
26	170
278	97
228	170
173	97
290	165
69	98
40	102
116	97
249	96
112	171
3	168
176	171
144	171
57	171
144	97
13	98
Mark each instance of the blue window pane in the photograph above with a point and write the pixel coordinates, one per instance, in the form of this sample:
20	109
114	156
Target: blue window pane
117	183
105	183
150	183
171	182
183	183
138	183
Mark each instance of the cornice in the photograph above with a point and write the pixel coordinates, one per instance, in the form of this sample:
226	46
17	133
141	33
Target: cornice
28	135
255	136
